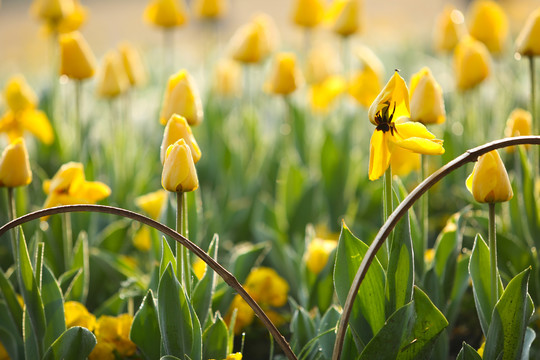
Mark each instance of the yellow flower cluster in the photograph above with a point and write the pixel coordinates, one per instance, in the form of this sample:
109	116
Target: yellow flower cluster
112	333
235	356
59	16
76	314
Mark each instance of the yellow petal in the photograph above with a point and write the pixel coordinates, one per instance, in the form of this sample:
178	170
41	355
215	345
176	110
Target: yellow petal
133	64
519	123
404	161
489	24
365	86
143	239
77	61
65	176
324	94
407	129
90	191
471	63
227	78
308	13
36	122
18	94
343	16
210	9
422	145
179	173
15	166
51	10
166	13
449	29
379	154
112	80
177	128
490	182
393	99
182	98
527	43
285	76
152	203
427	102
11	125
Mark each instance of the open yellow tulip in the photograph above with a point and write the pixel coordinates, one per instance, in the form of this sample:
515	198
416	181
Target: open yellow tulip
489	182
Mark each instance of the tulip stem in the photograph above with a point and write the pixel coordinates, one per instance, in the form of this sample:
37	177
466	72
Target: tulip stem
535	125
79	128
68	239
424	203
387	195
12	212
493	255
183	264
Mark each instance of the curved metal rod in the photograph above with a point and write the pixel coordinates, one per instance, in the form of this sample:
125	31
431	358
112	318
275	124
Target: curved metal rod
469	156
229	278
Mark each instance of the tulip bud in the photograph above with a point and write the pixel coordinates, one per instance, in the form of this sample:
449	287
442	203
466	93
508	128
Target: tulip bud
152	203
15	166
227	78
177	128
528	41
449	29
285	77
268	29
519	123
317	254
182	98
343	17
166	13
51	10
427	103
179	173
133	64
308	13
489	181
210	9
77	61
18	94
113	80
488	24
471	63
254	41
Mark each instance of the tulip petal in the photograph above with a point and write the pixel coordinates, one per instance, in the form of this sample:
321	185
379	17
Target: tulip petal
421	145
38	124
410	129
379	154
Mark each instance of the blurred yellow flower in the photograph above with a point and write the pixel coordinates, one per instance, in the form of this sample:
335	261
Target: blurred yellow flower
255	40
3	353
343	16
179	173
133	64
489	181
285	76
19	95
403	161
199	268
178	128
429	256
15	166
317	254
152	203
324	93
528	43
267	287
244	315
77	61
322	63
166	13
471	63
102	351
389	112
69	186
114	331
488	24
182	98
366	83
76	314
210	9
70	21
427	102
112	80
519	123
227	79
308	13
449	29
142	240
235	356
51	10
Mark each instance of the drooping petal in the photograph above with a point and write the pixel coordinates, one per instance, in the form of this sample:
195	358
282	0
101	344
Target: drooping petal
36	122
379	154
92	191
420	145
407	129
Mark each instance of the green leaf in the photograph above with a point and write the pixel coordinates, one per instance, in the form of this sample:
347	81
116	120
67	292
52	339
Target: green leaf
216	340
31	294
326	341
400	273
368	312
145	331
196	346
509	321
530	335
529	195
302	329
468	353
167	257
174	315
202	294
67	280
461	283
31	350
447	248
10	336
15	309
74	344
79	290
53	304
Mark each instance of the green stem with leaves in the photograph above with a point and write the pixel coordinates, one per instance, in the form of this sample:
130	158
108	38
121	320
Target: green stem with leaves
535	125
424	203
12	213
183	263
493	255
68	240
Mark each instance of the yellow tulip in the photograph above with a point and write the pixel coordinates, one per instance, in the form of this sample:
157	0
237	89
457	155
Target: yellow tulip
449	29
471	63
268	29
52	10
114	330
308	13
227	78
322	63
142	240
366	83
427	102
76	314
70	21
133	64
519	123
166	13
210	9
317	254
77	61
267	287
152	203
343	16
33	121
235	356
199	268
489	181
182	98
403	161
389	112
244	314
179	173
285	76
15	166
489	24
112	80
323	94
177	128
19	95
254	41
528	40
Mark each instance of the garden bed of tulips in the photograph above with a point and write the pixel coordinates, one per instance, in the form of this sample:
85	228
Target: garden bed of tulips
324	201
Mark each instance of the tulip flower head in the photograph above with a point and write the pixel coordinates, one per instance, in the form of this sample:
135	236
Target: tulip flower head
427	102
489	182
366	83
177	128
112	333
76	314
519	123
52	10
449	29
471	63
15	166
227	78
113	80
77	61
71	18
285	77
317	254
528	41
390	112
19	95
166	13
343	17
152	203
210	9
308	13
133	64
182	98
254	41
179	173
488	24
